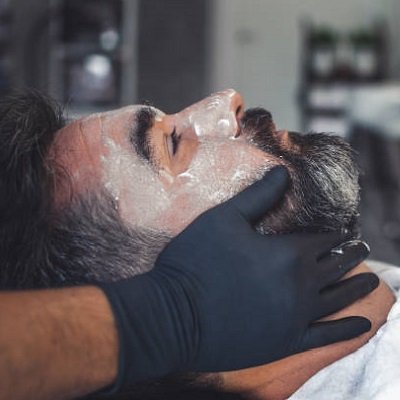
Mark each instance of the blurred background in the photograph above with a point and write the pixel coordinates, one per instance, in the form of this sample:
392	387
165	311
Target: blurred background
318	65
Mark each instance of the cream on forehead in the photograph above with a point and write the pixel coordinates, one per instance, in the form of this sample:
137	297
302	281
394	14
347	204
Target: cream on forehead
210	179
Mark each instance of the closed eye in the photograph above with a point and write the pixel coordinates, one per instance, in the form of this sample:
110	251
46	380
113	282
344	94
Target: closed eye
175	139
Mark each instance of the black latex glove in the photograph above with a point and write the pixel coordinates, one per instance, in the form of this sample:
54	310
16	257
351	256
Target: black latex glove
221	296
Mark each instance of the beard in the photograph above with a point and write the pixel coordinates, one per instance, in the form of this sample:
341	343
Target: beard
324	190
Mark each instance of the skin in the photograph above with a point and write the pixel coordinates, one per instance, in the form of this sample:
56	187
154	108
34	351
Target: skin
89	150
54	319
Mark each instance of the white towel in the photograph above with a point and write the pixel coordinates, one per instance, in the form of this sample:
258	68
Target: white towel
373	371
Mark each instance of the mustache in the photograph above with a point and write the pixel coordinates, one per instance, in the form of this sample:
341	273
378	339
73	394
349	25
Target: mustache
257	126
256	119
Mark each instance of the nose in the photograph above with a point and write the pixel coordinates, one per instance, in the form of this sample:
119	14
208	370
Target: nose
237	106
218	115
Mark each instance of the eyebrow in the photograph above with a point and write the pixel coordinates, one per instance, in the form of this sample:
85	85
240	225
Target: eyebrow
139	134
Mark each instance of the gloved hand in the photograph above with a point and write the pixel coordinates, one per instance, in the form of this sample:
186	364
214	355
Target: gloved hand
222	297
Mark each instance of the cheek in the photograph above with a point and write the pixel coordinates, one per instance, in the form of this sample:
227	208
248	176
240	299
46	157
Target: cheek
179	215
218	173
143	201
135	187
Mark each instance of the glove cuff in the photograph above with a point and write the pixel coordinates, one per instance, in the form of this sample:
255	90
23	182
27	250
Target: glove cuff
119	383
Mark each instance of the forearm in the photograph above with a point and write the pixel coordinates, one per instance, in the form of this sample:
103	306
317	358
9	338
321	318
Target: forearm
56	344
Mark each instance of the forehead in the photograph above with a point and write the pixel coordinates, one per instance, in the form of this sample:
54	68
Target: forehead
114	119
96	126
111	120
78	148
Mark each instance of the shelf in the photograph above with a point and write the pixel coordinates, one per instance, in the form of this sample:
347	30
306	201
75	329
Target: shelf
333	69
324	112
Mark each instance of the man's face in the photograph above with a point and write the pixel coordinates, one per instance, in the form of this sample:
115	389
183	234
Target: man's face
164	170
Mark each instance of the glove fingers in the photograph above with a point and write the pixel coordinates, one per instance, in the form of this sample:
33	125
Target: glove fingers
346	292
322	243
324	333
342	260
256	200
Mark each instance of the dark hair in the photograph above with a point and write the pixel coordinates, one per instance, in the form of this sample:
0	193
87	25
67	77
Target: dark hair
28	122
45	247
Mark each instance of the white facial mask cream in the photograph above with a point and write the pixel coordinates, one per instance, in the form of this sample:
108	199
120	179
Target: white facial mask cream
210	115
220	168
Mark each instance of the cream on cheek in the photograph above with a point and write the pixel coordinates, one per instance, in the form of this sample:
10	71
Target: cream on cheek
132	182
219	170
222	165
